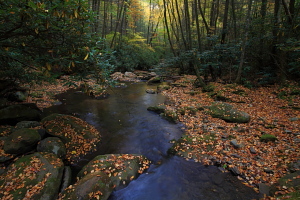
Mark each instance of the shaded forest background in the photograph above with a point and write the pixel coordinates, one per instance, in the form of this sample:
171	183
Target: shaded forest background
252	42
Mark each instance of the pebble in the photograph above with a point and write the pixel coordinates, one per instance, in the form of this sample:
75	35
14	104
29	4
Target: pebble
235	144
235	155
235	171
268	170
252	150
288	131
294	119
264	188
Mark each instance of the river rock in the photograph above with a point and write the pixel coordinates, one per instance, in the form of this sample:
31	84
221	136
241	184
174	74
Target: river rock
163	86
121	168
21	141
228	113
4	156
15	113
17	96
95	185
66	179
78	136
102	174
151	91
52	145
27	124
130	75
157	109
156	79
235	143
35	176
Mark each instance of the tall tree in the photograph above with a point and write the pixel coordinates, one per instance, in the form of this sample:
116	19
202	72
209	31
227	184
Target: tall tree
245	39
225	22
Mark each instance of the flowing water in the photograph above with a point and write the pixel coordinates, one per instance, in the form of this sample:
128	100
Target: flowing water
127	127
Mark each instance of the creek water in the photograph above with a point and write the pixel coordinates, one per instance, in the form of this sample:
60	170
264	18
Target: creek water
127	127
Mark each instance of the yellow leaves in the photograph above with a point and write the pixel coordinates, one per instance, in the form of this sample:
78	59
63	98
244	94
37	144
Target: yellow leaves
86	57
73	152
48	66
47	25
76	13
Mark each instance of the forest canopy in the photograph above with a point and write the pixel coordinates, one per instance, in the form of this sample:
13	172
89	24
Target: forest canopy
214	39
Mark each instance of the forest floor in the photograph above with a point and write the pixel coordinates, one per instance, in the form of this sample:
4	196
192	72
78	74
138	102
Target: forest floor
274	110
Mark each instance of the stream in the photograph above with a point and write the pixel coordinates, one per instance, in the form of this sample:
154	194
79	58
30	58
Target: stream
127	127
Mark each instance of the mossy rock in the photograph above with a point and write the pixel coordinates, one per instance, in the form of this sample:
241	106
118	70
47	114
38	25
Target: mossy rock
170	116
20	112
97	185
27	124
228	113
78	136
34	176
268	138
157	109
119	167
52	145
21	141
156	79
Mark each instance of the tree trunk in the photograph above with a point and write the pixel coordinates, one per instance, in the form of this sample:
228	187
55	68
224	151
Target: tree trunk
167	28
240	69
225	21
188	25
197	25
180	24
203	18
234	18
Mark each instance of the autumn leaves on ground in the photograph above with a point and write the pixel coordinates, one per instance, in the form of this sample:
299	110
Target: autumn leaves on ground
274	110
237	147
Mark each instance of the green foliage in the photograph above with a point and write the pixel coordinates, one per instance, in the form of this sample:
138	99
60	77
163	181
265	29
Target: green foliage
101	62
42	37
134	53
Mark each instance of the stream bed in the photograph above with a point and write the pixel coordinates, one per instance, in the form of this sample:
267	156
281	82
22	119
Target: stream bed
127	127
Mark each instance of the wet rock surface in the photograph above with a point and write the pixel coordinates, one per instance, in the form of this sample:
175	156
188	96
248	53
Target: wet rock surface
21	141
20	112
35	176
78	136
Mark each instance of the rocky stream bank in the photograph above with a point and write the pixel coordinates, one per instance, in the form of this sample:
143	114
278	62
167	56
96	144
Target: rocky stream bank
252	134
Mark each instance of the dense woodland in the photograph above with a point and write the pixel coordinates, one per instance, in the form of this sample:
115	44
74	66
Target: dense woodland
253	42
225	48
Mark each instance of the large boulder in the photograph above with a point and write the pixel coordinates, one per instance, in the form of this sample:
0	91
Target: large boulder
93	186
52	145
102	174
20	112
228	113
4	156
78	136
35	176
27	124
21	141
121	168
